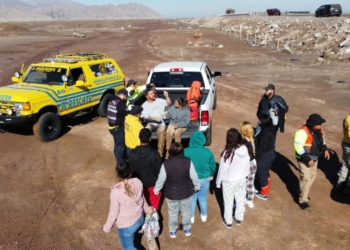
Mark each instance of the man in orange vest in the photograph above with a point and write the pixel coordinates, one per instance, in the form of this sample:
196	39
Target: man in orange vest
309	144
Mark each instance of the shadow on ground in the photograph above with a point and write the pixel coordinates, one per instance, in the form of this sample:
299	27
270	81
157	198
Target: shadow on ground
282	167
331	168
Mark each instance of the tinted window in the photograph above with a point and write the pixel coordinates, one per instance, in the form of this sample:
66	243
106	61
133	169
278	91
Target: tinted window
176	80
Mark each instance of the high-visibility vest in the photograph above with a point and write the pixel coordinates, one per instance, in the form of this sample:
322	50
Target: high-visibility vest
303	140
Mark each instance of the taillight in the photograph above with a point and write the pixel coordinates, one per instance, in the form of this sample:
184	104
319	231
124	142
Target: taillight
205	118
124	82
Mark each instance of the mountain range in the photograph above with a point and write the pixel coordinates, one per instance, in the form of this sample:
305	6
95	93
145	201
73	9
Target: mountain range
40	10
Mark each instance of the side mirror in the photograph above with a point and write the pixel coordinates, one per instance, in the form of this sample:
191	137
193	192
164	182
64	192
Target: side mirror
70	82
15	79
18	75
217	74
80	83
64	78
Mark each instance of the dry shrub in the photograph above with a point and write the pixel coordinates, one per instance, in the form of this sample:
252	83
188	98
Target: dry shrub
11	27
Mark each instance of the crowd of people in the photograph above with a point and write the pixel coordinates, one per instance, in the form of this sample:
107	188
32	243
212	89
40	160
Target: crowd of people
183	175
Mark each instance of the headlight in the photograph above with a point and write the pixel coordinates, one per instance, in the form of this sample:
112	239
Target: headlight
22	106
8	111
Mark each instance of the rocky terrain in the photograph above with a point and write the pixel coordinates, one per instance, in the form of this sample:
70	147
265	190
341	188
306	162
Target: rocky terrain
326	38
39	10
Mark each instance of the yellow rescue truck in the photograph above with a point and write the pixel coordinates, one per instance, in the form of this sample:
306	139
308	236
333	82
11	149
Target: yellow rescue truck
66	85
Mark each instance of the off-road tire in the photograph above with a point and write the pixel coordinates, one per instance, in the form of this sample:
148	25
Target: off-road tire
209	135
48	127
102	108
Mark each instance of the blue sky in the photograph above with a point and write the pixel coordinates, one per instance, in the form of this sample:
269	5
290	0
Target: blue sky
207	8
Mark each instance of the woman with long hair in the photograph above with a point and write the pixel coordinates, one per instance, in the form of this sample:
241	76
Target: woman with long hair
247	132
265	154
233	171
127	206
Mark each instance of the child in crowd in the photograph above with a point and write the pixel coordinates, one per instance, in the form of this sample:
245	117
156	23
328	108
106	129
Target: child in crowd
247	132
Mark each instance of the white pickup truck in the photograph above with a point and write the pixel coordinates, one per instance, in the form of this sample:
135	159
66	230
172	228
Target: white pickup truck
176	78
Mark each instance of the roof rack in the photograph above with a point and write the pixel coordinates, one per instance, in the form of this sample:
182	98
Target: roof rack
62	60
83	56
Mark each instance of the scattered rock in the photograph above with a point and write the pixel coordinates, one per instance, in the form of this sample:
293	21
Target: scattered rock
264	43
321	60
295	60
9	59
287	50
77	35
340	81
346	43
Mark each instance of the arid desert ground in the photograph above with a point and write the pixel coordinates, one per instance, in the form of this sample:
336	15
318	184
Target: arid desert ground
56	195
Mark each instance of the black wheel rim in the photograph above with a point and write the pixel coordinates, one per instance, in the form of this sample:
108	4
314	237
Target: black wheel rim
50	128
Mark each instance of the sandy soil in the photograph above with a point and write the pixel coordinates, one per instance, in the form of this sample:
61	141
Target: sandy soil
56	195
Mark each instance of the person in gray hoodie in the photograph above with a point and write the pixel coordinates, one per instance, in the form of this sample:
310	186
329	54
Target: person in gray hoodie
179	115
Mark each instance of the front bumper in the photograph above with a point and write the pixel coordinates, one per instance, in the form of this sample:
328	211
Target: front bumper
12	119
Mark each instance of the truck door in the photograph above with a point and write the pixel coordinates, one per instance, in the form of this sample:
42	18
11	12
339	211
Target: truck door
76	97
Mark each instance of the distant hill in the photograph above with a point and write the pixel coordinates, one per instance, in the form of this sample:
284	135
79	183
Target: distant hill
40	10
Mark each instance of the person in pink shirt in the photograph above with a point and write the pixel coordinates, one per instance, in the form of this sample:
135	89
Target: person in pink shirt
127	206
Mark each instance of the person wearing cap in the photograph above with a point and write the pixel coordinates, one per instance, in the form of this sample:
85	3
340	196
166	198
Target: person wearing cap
343	183
133	127
274	106
116	112
309	145
134	90
153	109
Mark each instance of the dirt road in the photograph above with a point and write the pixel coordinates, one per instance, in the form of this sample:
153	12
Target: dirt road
56	195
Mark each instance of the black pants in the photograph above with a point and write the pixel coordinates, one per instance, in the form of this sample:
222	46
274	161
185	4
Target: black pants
263	167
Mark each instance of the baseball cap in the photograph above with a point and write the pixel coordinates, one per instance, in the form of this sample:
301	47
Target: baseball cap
123	91
135	110
269	86
131	81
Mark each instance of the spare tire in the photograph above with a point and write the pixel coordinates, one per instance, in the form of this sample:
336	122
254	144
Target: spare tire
102	108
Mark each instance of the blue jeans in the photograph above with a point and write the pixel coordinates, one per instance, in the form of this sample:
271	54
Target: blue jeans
201	195
127	234
128	151
119	143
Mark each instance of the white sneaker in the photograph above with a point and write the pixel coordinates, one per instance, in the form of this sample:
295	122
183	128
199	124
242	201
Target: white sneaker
192	219
250	204
204	218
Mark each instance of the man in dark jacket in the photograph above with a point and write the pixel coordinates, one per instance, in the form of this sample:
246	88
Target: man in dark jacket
116	112
274	106
146	163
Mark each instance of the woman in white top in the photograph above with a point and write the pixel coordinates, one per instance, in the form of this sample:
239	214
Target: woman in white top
233	171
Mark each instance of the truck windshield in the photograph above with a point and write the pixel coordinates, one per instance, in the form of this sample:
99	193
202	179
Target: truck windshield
45	75
176	79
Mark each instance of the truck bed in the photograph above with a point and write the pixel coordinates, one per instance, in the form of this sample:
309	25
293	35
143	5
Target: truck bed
173	95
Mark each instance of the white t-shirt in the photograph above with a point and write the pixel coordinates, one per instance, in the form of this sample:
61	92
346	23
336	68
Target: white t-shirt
154	109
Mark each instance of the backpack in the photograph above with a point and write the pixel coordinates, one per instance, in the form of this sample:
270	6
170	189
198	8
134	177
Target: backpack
112	112
194	94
